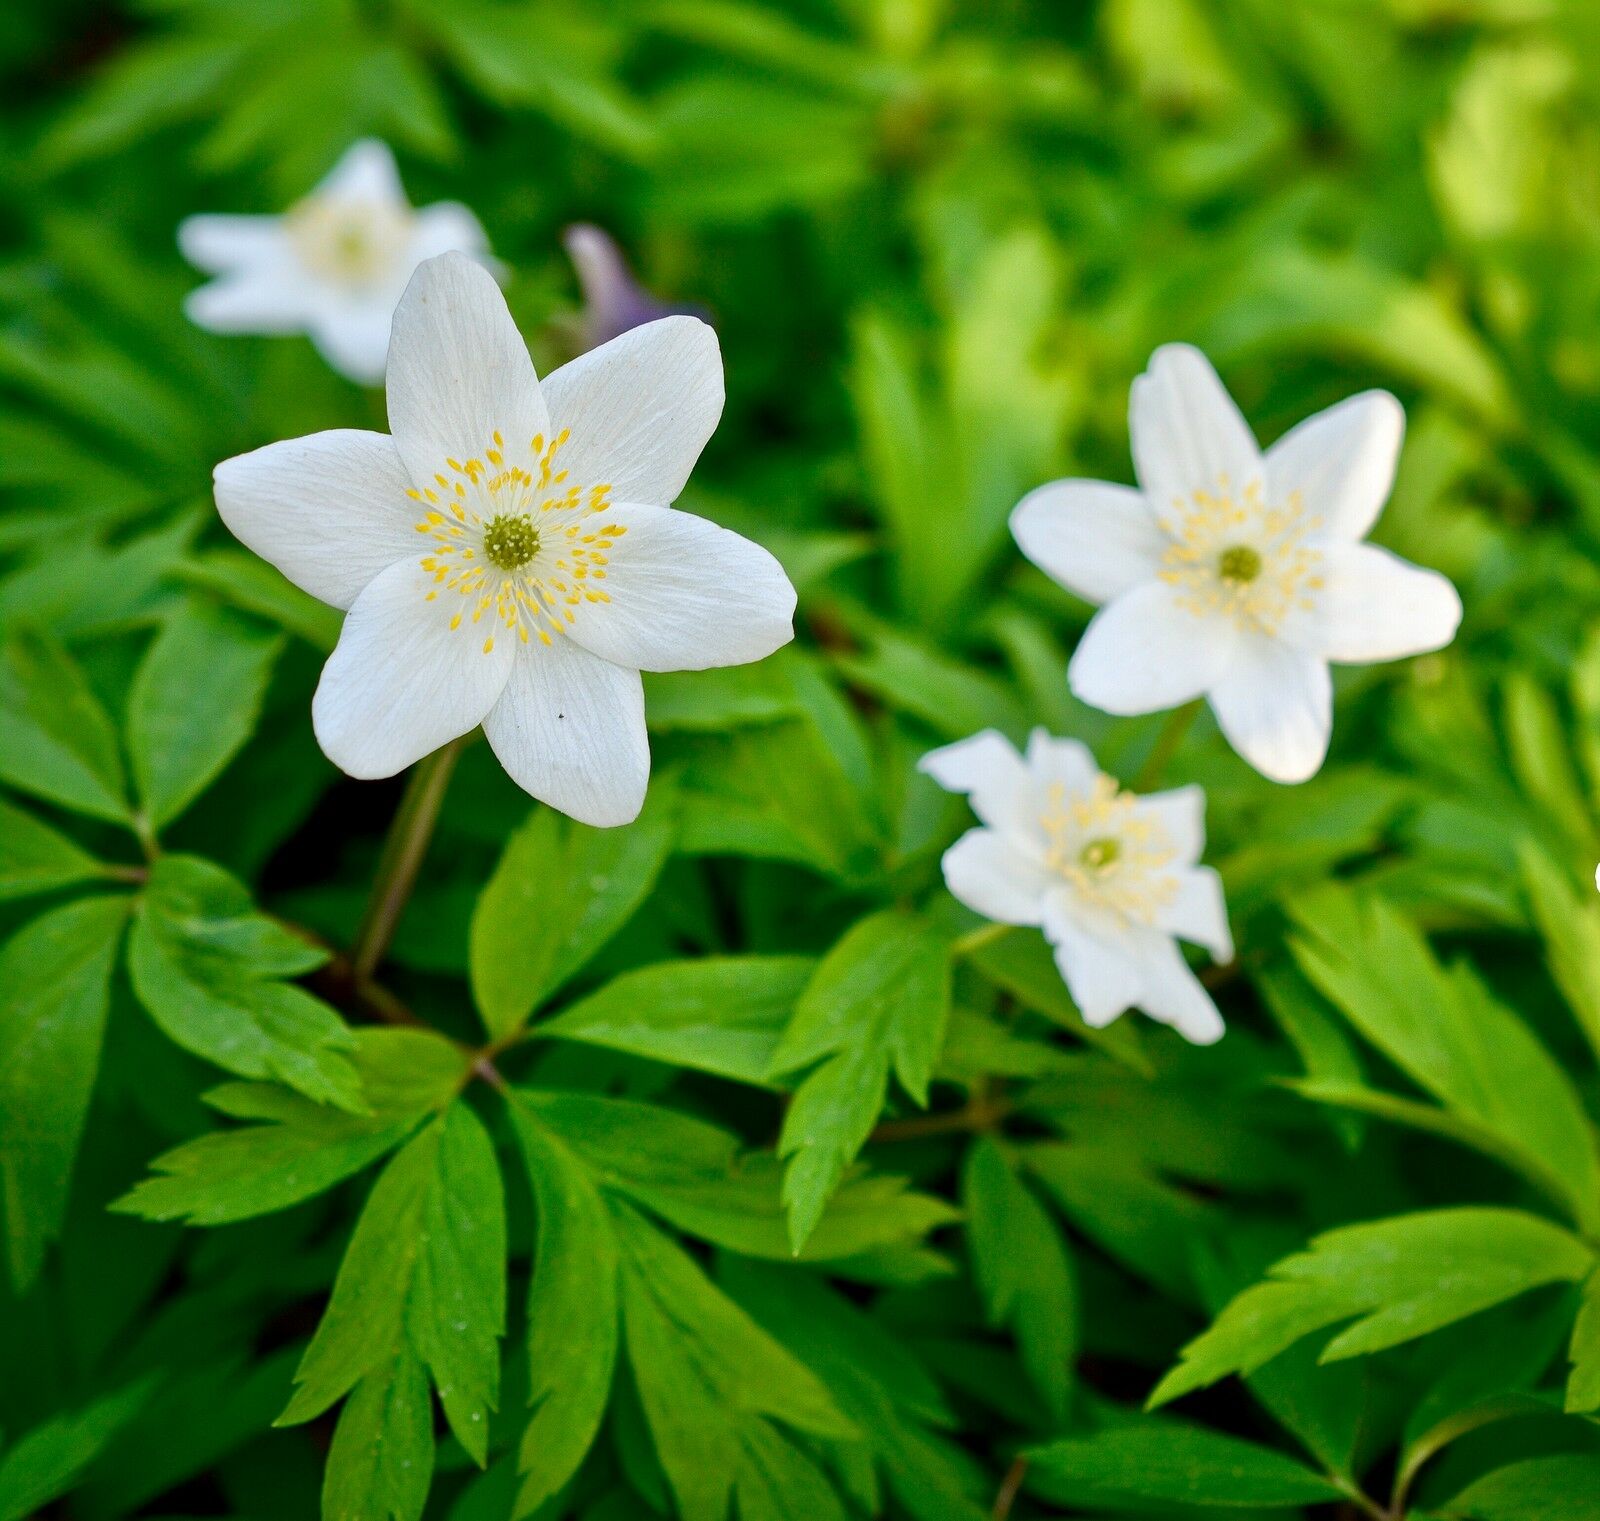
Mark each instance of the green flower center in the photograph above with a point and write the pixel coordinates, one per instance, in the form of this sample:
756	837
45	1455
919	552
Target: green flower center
510	542
1239	563
1101	853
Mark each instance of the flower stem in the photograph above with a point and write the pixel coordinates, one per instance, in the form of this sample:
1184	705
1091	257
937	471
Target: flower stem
1166	745
403	851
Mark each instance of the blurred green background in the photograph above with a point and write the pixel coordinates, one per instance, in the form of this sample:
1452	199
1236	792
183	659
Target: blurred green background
938	238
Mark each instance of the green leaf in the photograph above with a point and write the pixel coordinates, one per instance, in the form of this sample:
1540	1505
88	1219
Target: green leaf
706	1373
195	700
1395	1279
254	586
1569	923
300	1148
34	858
573	1305
55	989
380	1464
1560	1487
720	1014
1583	1384
206	966
422	1284
879	999
560	892
1022	1269
1177	1465
1445	1031
55	739
45	1463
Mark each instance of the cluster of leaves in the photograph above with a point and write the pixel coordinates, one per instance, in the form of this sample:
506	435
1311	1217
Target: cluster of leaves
719	1164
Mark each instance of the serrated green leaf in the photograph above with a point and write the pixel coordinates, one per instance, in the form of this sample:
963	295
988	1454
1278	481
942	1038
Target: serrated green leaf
56	741
423	1280
380	1465
1174	1464
721	1014
34	858
1394	1279
55	990
206	965
300	1148
1023	1271
560	892
195	700
878	999
1570	927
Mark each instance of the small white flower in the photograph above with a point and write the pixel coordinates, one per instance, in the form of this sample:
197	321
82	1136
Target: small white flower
1234	575
333	266
507	557
1109	877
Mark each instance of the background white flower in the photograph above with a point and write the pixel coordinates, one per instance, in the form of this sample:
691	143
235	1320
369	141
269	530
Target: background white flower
1109	877
1234	575
507	556
333	266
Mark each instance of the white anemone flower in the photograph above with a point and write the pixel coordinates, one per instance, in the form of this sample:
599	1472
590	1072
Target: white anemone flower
1109	877
507	557
1234	575
333	266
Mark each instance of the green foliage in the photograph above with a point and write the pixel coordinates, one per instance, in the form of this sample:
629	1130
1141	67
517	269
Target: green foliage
720	1166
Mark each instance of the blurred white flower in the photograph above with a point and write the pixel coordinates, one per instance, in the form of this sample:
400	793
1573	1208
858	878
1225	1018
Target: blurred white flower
332	267
1234	575
1109	877
507	557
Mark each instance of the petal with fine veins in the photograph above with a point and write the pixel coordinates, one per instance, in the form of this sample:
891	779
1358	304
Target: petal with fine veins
1375	606
1097	540
330	511
640	408
1341	462
569	729
1276	708
684	594
401	682
459	371
1187	433
1144	652
984	871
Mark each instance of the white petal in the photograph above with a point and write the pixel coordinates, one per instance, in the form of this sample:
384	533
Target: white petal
569	729
401	682
1342	463
1097	967
1180	815
1197	912
1173	994
219	243
1276	707
353	337
988	769
365	172
1097	540
1144	652
992	878
1375	606
1061	760
640	408
446	227
330	511
685	594
265	299
1187	433
459	371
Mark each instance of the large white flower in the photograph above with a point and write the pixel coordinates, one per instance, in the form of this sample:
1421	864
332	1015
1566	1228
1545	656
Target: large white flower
1236	575
333	266
1109	877
507	557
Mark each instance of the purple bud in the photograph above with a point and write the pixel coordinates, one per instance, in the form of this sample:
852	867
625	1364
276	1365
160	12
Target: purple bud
613	301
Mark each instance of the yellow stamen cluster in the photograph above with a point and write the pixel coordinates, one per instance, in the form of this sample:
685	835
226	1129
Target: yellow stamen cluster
1232	556
519	544
350	242
1113	853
